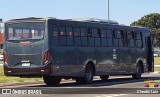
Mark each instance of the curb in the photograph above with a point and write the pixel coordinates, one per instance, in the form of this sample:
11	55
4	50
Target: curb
4	85
25	83
156	72
20	83
156	66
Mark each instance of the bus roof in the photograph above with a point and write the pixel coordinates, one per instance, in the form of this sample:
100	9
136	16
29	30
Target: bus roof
83	20
93	20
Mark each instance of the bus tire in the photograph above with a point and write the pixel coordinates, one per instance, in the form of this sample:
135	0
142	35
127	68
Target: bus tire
104	77
88	77
138	73
51	80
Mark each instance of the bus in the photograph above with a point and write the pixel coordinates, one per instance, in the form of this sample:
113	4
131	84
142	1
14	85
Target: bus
75	48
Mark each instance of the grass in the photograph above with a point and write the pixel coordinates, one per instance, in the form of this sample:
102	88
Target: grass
1	62
1	51
4	79
157	69
157	60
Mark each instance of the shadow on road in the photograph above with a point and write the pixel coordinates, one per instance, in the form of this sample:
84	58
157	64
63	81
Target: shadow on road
99	82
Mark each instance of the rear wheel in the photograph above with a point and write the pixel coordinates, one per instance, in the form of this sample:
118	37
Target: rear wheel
138	73
88	78
51	80
104	77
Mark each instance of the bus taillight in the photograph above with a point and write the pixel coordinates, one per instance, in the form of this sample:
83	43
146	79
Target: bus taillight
5	58
47	56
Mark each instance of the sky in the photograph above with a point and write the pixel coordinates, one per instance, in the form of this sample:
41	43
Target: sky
123	11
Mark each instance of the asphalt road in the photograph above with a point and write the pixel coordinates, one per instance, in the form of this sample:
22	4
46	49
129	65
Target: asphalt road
117	86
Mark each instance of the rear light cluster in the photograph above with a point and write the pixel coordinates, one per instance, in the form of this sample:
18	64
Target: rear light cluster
47	56
45	70
5	58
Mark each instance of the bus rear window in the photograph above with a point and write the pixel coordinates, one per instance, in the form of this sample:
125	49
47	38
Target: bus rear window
25	31
10	32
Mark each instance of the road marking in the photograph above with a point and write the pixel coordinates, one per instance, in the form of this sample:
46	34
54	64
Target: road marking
113	95
116	95
123	94
156	65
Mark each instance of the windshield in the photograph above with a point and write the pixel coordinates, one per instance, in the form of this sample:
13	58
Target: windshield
25	31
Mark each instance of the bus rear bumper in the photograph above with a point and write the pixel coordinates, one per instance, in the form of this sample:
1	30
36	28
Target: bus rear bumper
28	71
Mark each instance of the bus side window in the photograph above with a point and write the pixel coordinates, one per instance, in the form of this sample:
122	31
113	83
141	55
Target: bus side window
69	32
62	36
77	36
130	36
55	39
115	40
104	37
109	38
97	37
84	36
138	39
125	39
91	37
10	33
120	36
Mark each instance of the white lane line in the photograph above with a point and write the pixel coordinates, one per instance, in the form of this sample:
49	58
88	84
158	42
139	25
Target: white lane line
123	94
113	95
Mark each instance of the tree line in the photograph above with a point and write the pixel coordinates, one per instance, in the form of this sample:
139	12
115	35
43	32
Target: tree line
152	21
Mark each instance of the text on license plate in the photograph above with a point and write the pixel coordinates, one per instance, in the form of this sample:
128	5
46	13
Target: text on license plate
26	64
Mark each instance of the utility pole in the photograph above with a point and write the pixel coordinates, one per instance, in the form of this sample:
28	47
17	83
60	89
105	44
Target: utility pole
108	10
1	40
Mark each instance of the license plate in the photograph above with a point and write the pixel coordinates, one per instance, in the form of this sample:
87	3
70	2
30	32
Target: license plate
26	64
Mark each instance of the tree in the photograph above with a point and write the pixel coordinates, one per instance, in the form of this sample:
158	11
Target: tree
152	21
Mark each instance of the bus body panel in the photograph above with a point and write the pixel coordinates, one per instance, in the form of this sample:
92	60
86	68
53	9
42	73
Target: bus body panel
103	56
31	52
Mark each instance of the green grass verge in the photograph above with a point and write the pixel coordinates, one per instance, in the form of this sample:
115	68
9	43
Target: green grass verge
157	60
4	79
157	69
1	62
1	51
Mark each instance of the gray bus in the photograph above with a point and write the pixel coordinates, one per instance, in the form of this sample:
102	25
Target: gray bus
75	48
